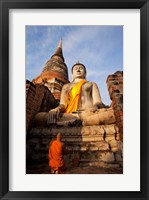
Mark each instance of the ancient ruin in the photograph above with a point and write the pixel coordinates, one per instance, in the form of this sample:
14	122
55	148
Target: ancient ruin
92	137
55	73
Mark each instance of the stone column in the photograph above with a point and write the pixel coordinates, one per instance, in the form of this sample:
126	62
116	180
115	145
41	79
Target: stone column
115	88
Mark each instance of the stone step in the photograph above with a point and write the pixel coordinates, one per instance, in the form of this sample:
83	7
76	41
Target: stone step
90	145
99	164
92	156
75	131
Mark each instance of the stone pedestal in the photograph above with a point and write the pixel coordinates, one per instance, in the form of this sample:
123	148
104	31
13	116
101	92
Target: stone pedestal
86	145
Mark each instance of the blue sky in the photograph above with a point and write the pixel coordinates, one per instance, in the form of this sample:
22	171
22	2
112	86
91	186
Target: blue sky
99	48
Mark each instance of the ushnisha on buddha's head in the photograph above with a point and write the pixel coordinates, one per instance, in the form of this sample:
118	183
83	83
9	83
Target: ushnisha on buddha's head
78	71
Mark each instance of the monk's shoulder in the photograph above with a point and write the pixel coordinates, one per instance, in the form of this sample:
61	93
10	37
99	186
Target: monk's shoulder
50	143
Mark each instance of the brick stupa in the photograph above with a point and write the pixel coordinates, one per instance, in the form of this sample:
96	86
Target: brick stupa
55	73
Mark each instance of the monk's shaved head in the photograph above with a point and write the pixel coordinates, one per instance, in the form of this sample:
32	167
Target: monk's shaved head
59	136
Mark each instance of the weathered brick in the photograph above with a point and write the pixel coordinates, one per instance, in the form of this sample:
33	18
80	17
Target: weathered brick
36	96
109	129
107	157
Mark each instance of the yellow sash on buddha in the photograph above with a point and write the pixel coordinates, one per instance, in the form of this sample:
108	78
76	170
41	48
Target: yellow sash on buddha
75	97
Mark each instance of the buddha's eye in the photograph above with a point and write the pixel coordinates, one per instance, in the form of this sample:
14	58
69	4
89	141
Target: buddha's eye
76	68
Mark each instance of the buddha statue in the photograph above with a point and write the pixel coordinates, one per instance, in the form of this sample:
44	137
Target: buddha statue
80	103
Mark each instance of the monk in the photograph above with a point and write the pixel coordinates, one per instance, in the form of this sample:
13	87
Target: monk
56	156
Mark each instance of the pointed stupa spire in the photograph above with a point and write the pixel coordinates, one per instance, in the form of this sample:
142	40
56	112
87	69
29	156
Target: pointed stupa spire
55	73
59	51
60	44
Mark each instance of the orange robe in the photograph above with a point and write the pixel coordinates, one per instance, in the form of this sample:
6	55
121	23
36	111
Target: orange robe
75	94
56	159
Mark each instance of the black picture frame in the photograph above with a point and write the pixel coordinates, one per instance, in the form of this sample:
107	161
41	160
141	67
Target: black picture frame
5	5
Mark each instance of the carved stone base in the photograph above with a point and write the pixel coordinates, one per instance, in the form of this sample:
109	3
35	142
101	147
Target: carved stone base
86	145
86	118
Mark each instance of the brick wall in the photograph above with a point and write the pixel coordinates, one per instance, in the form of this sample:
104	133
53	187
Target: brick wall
115	88
38	99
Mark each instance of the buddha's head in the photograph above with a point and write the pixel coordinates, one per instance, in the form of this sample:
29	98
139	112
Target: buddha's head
78	71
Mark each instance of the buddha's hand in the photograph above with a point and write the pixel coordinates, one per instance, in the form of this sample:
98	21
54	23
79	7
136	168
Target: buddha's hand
54	114
96	107
102	105
93	109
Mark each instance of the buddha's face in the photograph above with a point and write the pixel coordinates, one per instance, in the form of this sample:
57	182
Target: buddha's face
78	72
